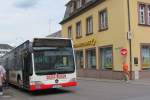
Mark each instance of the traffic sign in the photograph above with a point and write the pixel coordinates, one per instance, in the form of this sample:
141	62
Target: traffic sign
123	51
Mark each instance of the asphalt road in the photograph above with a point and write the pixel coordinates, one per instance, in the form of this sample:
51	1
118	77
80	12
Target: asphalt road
87	90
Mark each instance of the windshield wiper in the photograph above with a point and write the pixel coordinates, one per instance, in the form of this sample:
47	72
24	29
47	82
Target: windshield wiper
61	67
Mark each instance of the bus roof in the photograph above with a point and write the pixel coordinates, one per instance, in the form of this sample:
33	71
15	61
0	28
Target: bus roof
28	42
54	38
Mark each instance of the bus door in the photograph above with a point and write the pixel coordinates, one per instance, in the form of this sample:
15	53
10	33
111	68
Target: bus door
26	69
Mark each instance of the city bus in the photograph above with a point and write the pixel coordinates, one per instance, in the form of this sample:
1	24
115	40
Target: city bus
40	64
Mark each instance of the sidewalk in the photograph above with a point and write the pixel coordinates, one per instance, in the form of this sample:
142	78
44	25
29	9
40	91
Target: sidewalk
137	82
141	81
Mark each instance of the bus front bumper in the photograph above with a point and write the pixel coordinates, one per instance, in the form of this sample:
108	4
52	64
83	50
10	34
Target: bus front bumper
49	86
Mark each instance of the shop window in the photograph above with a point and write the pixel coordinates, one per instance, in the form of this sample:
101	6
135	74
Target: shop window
78	30
91	58
106	58
79	59
145	54
103	20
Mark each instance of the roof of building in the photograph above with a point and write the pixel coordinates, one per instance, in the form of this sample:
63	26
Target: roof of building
80	11
56	34
5	46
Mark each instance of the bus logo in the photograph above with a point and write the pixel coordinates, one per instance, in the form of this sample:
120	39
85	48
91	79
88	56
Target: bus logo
56	81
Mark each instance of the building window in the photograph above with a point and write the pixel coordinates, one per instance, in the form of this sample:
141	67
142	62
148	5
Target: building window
144	14
83	2
87	1
106	58
78	30
70	32
145	54
72	7
103	20
79	59
142	17
89	25
91	58
79	4
148	15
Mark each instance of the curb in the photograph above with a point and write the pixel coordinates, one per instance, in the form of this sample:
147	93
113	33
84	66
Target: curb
136	82
100	80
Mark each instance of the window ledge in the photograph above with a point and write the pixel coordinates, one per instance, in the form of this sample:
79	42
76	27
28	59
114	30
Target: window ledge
87	34
78	37
144	25
100	30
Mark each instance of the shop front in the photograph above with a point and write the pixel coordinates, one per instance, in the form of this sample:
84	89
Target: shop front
95	61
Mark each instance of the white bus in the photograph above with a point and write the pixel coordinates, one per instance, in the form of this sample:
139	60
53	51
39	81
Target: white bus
42	64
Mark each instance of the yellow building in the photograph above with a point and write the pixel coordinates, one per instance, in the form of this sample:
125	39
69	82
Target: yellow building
102	31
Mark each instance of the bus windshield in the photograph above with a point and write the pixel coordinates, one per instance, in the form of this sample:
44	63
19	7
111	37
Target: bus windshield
54	60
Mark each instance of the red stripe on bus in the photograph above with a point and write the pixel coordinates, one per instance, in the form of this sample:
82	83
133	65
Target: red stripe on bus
43	86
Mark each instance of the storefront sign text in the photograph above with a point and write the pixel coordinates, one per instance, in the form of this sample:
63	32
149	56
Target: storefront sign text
91	42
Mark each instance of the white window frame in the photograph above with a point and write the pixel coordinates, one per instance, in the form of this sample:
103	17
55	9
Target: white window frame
78	29
142	18
79	4
148	14
103	18
72	7
90	25
70	32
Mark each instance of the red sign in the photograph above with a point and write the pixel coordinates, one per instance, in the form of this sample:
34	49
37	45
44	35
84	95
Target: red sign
123	51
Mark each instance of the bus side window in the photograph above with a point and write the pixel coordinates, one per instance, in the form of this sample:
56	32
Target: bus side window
30	64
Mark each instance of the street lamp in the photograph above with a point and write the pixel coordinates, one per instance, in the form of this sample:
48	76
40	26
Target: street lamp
129	38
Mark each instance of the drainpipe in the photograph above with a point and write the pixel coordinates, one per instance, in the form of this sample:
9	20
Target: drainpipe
130	39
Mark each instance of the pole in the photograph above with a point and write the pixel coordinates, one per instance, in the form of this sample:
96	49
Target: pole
130	41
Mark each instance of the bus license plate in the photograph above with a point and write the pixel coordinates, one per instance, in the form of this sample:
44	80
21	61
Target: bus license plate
57	86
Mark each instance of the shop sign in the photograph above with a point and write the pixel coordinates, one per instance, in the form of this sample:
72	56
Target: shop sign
91	42
118	48
123	51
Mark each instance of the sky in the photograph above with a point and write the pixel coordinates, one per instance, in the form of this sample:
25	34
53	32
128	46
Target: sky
22	20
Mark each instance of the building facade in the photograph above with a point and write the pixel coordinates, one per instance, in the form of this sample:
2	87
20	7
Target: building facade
107	33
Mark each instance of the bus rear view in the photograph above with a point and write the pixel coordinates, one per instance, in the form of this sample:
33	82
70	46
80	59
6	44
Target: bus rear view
53	64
